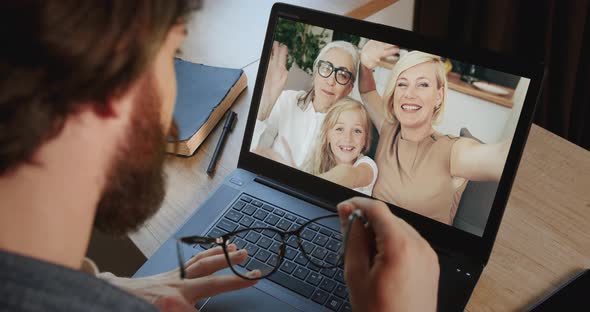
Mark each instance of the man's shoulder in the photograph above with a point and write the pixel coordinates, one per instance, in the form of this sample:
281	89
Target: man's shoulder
33	285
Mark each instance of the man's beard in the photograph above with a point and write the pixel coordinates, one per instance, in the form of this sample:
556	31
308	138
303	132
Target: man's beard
135	185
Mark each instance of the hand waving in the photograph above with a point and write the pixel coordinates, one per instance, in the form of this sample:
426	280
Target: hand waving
373	51
275	81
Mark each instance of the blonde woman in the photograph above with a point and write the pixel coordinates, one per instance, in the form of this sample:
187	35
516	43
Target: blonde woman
337	155
420	169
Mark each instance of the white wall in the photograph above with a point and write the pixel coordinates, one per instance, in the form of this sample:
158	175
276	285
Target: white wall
485	120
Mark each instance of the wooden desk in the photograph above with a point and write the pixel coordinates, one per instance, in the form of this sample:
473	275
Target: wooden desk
543	237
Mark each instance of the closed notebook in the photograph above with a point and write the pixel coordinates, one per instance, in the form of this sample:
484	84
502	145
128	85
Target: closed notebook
204	94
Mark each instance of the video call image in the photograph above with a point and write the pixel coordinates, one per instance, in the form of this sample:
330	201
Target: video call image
423	132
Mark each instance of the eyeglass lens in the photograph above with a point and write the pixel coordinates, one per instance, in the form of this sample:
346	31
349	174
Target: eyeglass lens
325	69
317	246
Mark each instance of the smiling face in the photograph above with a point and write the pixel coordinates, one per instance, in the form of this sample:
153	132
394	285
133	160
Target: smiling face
347	138
327	90
417	96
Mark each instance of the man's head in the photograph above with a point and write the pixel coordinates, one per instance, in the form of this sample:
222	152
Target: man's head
68	57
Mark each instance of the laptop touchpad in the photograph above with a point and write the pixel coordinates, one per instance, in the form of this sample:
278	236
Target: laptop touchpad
249	299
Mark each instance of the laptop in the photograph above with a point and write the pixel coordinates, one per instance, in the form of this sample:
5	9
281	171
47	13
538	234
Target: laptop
267	193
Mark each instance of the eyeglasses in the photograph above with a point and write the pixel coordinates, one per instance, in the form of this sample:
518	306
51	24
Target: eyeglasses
343	75
317	241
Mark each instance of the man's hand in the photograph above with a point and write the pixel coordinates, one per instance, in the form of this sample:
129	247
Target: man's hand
388	265
373	51
275	80
169	293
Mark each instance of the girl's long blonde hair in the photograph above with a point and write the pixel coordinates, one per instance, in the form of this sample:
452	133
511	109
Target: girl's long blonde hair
321	158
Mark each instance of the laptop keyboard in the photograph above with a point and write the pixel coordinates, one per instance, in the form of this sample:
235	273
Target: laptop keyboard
323	286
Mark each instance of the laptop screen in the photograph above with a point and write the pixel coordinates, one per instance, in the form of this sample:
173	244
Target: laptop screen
424	132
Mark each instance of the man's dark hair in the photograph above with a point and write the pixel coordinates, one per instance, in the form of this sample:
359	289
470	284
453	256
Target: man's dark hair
59	55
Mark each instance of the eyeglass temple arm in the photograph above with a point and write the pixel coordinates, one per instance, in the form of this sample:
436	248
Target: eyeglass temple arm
200	240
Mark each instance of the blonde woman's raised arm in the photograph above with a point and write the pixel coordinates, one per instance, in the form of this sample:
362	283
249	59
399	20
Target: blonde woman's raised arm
371	54
478	162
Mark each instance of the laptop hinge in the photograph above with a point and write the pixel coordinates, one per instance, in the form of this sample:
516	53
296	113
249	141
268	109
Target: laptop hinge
297	194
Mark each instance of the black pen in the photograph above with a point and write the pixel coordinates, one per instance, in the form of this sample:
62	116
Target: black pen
228	126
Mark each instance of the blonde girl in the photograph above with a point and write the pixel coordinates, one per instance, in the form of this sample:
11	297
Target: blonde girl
338	152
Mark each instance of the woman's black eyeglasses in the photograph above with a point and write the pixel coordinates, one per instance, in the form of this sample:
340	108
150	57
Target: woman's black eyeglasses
343	75
318	244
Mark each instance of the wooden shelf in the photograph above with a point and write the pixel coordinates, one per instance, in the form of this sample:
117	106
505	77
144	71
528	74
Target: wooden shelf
455	83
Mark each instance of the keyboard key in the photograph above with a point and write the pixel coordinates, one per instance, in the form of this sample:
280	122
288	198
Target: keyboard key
341	291
300	259
293	227
346	307
339	276
308	247
337	236
264	242
314	227
334	303
272	219
278	212
308	234
319	253
239	205
275	247
240	243
257	203
260	214
290	253
262	255
259	224
321	240
314	278
332	258
284	224
216	233
253	237
233	215
252	249
292	241
328	285
301	221
249	210
267	207
313	267
272	261
320	296
328	272
288	267
246	198
247	221
333	245
326	232
301	273
241	234
254	264
245	263
290	217
227	225
269	233
292	283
